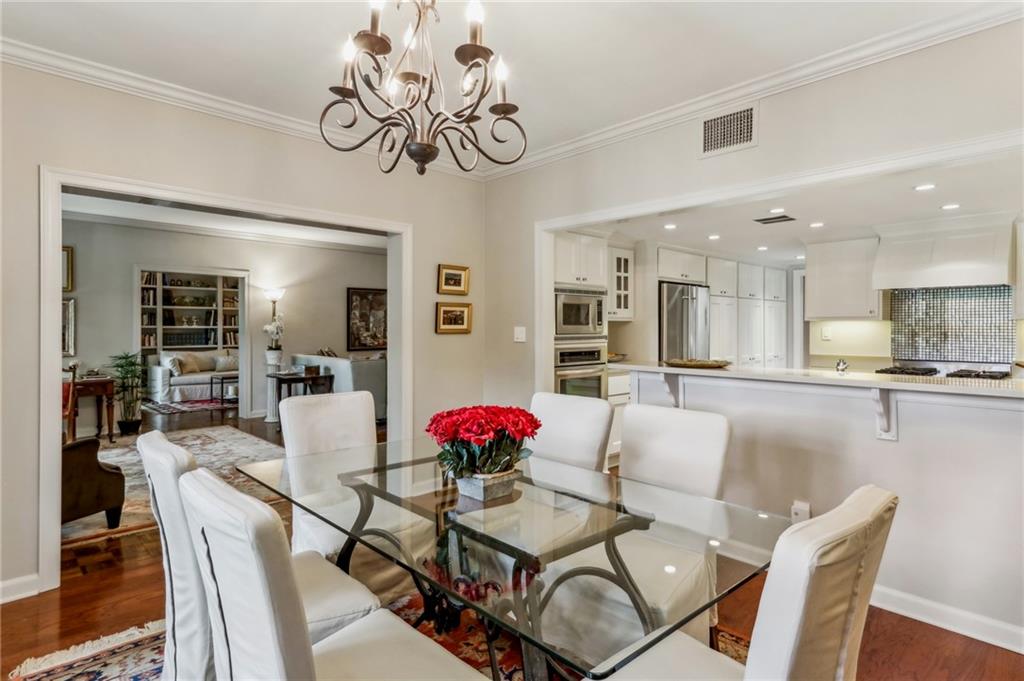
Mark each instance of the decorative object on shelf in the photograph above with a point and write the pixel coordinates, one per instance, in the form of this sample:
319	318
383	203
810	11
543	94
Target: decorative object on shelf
326	352
67	327
129	374
616	357
367	319
480	447
698	363
453	318
842	365
67	262
453	279
406	98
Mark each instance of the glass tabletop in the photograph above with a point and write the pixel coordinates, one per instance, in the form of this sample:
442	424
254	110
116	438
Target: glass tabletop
588	568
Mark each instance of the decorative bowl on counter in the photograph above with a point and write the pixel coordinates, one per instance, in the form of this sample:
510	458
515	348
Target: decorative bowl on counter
698	363
616	357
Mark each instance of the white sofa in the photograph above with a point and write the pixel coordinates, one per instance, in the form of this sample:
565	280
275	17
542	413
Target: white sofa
164	386
354	374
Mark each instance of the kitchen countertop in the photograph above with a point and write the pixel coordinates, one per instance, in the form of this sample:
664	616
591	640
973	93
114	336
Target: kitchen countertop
1009	387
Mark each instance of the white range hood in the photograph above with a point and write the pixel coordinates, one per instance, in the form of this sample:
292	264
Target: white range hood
971	251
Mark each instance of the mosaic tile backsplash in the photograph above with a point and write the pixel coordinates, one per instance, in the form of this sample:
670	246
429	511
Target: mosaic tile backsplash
958	324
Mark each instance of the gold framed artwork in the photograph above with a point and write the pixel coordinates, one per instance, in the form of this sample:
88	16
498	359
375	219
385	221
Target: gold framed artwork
453	280
453	318
67	263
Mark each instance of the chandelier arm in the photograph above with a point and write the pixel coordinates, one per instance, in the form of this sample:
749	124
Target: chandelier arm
460	115
459	130
455	156
338	147
398	155
392	110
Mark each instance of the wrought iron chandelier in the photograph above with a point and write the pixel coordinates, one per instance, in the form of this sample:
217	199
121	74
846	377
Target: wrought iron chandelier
406	98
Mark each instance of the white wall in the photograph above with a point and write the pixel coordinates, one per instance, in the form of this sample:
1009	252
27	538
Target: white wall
313	307
955	91
48	120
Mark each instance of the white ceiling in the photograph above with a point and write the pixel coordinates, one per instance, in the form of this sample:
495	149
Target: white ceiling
576	67
849	210
172	218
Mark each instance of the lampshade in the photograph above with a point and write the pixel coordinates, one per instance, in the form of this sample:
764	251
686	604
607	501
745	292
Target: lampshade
273	294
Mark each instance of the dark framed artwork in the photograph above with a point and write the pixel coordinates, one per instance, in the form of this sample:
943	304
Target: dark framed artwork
453	318
367	310
453	280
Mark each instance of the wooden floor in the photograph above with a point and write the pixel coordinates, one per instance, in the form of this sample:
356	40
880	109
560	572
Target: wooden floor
110	586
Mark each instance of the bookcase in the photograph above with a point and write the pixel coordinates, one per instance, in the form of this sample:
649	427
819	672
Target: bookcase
187	311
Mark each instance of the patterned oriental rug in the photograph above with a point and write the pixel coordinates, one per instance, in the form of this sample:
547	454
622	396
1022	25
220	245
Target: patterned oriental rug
187	406
218	448
137	654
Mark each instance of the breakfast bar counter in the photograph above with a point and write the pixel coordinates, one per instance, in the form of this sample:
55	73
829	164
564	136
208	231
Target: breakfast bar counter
951	448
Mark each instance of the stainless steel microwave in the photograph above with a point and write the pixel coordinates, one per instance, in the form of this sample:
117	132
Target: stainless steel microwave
579	313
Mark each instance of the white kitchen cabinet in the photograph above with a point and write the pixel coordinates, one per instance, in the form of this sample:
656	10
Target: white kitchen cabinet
621	284
774	284
750	281
750	332
581	259
722	320
618	395
681	266
1019	287
722	277
838	282
775	353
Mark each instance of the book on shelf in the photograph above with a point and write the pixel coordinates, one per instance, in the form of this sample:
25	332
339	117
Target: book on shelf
149	279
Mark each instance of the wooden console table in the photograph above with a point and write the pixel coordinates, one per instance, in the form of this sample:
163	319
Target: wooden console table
307	381
103	390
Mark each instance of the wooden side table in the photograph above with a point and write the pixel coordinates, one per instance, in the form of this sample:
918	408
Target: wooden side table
103	390
306	381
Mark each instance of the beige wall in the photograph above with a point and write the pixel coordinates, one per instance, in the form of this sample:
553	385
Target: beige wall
313	308
67	124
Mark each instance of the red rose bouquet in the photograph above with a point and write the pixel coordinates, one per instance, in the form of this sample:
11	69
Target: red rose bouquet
483	439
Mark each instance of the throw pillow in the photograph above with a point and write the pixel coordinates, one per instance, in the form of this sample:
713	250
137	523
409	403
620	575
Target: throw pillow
188	363
207	361
174	364
226	364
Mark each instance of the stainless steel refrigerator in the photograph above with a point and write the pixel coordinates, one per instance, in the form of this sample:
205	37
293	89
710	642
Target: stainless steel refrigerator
683	325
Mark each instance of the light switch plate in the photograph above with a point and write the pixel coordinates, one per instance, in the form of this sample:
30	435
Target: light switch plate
518	334
826	333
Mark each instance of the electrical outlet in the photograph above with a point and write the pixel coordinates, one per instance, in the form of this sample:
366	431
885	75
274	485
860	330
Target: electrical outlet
518	334
826	333
800	511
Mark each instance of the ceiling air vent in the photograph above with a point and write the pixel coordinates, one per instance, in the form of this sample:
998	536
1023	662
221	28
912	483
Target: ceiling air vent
729	131
774	219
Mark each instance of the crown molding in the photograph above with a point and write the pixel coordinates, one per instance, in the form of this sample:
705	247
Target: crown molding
871	51
59	64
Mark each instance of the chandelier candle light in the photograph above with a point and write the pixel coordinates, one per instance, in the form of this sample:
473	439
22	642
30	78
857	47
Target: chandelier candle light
406	97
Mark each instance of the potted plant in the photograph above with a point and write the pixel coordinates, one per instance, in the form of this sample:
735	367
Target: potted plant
275	330
129	373
480	447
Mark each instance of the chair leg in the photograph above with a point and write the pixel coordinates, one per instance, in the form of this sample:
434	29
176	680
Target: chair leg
713	638
113	517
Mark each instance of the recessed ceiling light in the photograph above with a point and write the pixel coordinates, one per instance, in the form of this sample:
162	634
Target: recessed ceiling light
762	515
670	226
670	569
776	211
924	187
951	206
801	257
714	237
815	225
762	248
714	542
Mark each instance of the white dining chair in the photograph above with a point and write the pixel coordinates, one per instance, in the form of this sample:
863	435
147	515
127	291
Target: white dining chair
813	607
332	599
678	448
257	612
674	449
314	424
574	430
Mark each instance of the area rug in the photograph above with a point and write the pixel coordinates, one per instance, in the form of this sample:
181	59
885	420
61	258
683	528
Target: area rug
219	448
137	654
168	408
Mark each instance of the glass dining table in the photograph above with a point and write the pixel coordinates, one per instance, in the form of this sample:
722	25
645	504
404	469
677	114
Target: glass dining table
589	570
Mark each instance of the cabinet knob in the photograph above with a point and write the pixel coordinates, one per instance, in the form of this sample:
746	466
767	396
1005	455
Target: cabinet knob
871	312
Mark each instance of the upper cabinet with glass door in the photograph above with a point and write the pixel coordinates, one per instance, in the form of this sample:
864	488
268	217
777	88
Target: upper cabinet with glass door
620	284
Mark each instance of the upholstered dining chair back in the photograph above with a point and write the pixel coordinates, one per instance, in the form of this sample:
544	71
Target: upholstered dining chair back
681	449
815	601
574	430
259	626
323	423
188	649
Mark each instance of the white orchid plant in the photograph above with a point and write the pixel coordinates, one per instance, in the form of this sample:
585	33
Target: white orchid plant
275	330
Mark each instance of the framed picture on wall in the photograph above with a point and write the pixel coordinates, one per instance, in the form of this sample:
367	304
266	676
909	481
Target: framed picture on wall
453	318
367	311
453	280
67	266
67	327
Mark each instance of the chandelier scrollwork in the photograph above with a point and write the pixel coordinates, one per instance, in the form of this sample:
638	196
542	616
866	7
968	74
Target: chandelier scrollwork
406	98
